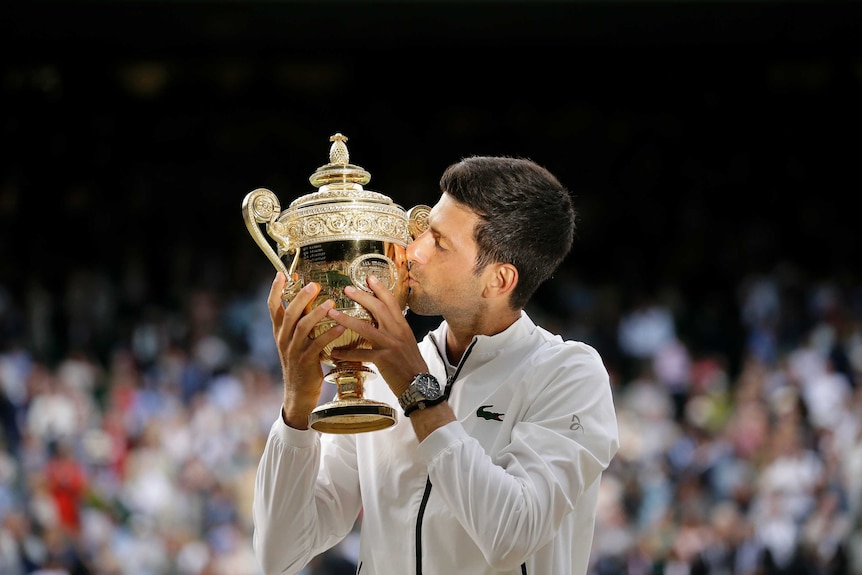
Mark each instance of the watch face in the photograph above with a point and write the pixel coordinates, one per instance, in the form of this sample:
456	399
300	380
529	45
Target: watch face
427	385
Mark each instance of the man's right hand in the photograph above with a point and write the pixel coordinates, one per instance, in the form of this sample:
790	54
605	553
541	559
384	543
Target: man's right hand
292	328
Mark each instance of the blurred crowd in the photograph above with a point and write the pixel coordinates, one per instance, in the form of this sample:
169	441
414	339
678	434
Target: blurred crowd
138	382
756	470
133	450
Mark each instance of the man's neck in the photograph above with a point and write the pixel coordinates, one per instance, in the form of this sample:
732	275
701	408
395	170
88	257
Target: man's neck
458	338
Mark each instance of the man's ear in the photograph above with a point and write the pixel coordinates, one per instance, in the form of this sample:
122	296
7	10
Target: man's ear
503	280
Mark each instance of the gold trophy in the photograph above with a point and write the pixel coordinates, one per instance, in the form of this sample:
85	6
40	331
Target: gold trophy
338	236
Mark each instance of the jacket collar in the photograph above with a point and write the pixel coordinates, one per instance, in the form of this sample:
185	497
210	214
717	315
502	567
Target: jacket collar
486	347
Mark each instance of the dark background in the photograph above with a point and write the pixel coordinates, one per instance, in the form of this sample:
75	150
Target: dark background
704	141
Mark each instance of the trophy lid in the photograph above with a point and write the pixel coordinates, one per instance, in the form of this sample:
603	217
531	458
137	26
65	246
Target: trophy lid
339	180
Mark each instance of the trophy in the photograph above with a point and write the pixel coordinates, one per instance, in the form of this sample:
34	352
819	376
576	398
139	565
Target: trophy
337	237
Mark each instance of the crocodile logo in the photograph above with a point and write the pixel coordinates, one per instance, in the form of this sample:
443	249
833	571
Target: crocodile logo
489	415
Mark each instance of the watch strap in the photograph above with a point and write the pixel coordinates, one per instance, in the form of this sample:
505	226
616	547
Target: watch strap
423	404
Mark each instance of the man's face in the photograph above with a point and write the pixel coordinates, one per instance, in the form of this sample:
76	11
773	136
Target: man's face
442	262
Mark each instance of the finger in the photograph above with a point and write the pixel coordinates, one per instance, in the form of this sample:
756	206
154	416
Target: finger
319	343
274	299
314	344
386	297
360	326
295	312
285	321
375	303
380	290
356	354
305	296
305	327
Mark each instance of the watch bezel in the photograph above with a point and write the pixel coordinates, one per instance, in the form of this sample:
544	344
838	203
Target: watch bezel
427	385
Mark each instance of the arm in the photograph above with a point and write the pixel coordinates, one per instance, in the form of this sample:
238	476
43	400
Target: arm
515	501
298	511
427	420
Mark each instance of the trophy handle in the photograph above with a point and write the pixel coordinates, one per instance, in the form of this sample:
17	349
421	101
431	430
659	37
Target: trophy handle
417	217
261	206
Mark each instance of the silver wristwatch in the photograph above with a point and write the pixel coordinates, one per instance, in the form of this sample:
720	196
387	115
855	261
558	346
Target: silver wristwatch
424	391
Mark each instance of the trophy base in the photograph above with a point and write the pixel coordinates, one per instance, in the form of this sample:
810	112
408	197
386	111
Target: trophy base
351	416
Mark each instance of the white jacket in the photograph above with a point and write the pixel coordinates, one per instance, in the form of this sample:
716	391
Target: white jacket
511	487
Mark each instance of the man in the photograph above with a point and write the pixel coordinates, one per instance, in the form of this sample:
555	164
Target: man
498	472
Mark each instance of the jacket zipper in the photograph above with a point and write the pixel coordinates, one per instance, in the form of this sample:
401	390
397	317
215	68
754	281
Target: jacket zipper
449	382
425	496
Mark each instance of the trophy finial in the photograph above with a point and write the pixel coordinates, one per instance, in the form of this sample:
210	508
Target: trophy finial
338	153
339	173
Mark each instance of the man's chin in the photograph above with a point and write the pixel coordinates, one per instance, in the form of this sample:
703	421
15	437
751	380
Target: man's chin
417	305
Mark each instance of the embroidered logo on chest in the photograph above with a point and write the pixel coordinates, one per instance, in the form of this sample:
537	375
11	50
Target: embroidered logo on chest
489	415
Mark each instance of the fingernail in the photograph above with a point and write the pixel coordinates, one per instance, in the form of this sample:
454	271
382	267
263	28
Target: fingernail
309	288
348	290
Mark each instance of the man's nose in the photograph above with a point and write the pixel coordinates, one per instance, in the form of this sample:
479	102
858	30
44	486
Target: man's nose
416	250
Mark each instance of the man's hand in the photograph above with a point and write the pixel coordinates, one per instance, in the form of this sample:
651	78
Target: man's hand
393	346
393	350
292	328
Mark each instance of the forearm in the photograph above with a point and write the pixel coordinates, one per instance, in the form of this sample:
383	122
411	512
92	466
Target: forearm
283	493
299	511
425	421
512	505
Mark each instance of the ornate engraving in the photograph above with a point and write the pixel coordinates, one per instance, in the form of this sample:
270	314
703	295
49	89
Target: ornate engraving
265	207
418	218
377	265
330	193
329	223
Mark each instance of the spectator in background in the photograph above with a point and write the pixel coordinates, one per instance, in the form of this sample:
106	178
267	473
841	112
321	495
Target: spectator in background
645	328
66	482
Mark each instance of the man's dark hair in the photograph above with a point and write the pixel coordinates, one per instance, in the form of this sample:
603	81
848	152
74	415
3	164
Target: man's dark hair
526	217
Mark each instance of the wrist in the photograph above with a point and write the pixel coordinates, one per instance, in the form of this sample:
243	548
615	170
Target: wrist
412	409
295	410
295	419
426	421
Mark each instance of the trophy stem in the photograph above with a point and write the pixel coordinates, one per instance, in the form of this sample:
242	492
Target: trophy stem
349	377
350	412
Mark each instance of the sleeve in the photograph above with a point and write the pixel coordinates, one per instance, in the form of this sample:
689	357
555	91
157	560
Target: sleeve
513	503
306	497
